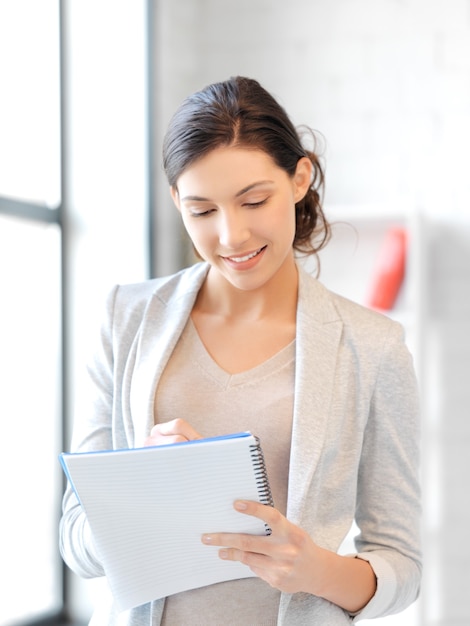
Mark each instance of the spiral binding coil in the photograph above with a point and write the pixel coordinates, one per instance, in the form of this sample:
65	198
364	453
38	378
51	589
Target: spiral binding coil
261	474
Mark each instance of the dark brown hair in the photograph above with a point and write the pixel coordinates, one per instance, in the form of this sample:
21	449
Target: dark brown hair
240	112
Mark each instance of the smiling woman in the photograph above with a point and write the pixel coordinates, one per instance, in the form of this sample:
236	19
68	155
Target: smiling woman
246	340
245	214
264	126
238	208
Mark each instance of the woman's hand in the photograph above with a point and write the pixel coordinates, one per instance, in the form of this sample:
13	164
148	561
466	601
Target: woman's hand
175	431
289	560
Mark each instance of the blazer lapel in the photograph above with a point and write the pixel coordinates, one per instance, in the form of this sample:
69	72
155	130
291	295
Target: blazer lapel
163	322
318	335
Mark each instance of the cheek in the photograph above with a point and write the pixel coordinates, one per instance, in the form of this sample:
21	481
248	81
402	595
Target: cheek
196	231
188	224
283	220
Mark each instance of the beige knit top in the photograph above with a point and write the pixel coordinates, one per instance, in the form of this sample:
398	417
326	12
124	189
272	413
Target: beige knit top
194	387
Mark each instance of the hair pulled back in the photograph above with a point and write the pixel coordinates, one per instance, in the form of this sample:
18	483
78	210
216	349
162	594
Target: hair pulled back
240	112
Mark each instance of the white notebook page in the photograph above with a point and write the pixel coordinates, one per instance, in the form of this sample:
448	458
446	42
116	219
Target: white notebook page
148	508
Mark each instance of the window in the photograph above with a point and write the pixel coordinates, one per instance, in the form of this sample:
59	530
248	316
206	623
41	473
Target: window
30	407
30	329
30	104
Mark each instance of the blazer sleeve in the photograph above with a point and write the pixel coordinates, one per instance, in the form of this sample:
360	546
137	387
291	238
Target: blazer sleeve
388	500
93	430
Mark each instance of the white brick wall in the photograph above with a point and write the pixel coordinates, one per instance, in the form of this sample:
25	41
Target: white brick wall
388	84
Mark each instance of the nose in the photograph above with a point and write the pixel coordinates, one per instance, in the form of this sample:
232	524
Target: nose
233	229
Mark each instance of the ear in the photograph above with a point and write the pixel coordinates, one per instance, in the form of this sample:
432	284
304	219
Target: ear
175	197
302	178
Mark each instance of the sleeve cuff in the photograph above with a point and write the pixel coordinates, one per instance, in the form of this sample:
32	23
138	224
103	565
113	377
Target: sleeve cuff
386	587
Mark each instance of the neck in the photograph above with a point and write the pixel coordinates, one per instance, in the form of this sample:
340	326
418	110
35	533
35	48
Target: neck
275	299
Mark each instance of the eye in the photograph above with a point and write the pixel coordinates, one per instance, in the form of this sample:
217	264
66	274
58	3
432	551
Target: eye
255	205
201	214
193	213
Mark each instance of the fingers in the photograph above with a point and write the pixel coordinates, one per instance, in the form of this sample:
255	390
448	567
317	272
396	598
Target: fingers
176	428
235	543
174	431
268	514
254	560
286	560
252	550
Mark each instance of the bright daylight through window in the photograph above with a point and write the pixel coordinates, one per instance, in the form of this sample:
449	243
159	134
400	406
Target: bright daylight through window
30	328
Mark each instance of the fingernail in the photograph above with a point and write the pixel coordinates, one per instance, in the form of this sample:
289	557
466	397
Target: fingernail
223	554
206	539
240	505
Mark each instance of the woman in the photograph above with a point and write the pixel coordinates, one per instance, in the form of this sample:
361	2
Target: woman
246	340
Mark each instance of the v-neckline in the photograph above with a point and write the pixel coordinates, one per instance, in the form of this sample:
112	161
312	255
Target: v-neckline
250	376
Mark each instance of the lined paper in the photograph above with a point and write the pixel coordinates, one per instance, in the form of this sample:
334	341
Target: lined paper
148	507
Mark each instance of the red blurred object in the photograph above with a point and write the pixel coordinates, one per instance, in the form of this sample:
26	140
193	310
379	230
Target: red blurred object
390	270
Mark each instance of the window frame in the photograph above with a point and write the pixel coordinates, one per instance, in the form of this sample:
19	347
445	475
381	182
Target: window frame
37	212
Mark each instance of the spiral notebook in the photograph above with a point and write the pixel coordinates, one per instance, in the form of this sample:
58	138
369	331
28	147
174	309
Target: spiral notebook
148	507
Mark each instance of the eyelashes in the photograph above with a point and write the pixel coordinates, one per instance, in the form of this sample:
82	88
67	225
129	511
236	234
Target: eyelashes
248	205
255	205
201	213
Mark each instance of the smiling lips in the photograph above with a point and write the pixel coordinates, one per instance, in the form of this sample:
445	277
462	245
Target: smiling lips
245	259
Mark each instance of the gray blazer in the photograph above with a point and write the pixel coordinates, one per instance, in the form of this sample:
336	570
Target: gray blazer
355	443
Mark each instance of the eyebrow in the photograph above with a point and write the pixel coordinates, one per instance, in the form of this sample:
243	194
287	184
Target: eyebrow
237	195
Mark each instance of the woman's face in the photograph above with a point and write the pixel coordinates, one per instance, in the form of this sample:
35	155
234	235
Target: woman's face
238	208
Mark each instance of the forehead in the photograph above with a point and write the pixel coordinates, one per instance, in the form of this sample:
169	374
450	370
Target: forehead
228	170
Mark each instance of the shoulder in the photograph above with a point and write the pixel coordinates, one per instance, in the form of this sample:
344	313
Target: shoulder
362	321
375	340
166	289
370	347
363	329
127	305
327	306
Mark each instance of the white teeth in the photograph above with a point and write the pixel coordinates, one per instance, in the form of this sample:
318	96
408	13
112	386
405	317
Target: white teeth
242	259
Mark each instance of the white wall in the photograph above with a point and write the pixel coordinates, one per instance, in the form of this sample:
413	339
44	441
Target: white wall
388	84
